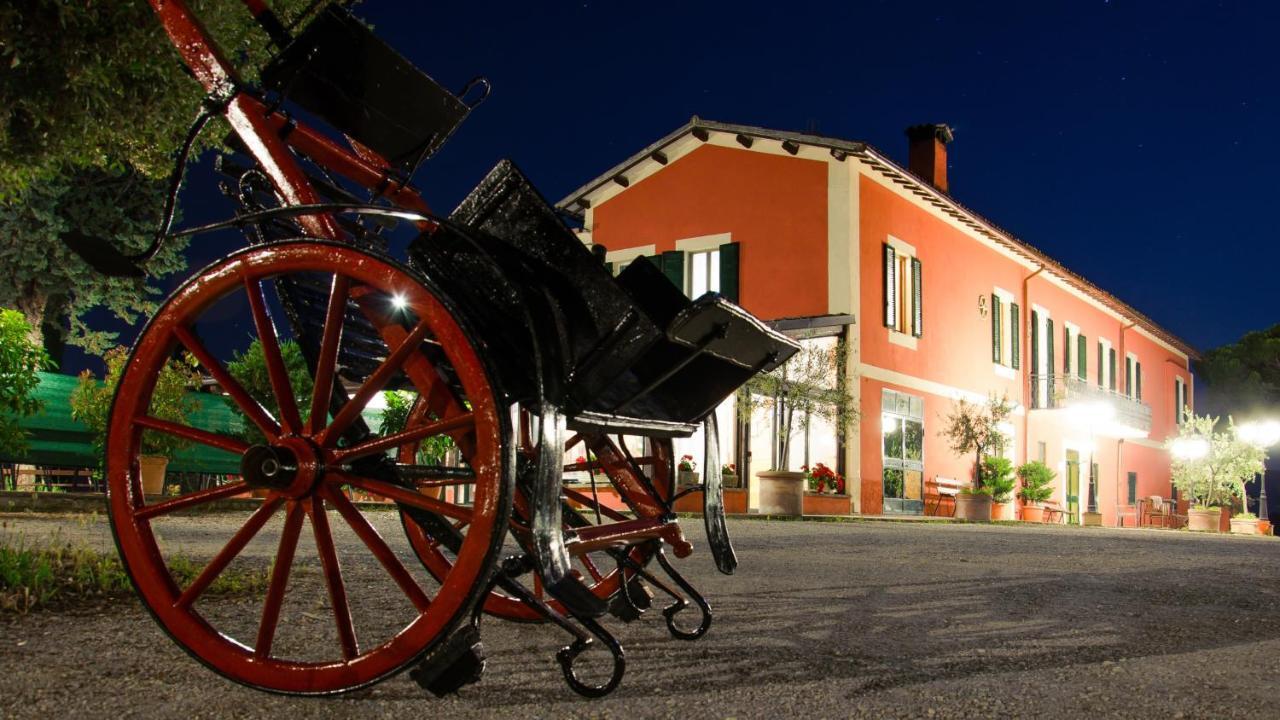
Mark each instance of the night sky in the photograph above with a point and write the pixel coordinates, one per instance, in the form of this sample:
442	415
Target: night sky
1134	142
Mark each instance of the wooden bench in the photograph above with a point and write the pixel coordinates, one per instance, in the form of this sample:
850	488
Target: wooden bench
943	488
1053	511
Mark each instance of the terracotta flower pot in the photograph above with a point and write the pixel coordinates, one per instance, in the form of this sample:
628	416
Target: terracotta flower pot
152	468
1002	511
1264	527
1033	512
1244	526
973	507
1204	519
781	493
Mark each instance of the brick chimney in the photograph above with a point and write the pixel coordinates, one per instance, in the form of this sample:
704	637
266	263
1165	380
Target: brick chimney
927	153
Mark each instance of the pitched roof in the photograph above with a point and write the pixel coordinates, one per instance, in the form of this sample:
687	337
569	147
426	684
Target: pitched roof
576	201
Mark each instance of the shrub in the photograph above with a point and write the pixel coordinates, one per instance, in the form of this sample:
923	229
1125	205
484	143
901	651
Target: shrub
250	370
171	400
997	476
1037	482
21	359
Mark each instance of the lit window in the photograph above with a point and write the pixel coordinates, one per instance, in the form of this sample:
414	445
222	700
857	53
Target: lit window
704	273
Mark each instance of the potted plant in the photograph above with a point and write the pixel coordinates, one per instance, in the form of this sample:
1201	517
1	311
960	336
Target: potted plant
976	429
171	401
808	385
1210	468
687	471
729	476
1037	486
997	475
824	491
1245	524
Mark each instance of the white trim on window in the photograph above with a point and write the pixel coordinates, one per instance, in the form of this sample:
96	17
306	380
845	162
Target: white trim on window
628	254
704	242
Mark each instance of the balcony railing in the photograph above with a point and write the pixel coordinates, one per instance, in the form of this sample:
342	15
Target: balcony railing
1123	416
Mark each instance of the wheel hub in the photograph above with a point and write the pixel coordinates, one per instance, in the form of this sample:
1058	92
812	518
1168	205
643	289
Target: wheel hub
291	466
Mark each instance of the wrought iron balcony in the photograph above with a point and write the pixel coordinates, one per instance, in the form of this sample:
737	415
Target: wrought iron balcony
1111	413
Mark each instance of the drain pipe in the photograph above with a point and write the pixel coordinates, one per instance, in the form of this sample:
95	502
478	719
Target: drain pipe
1128	391
1025	348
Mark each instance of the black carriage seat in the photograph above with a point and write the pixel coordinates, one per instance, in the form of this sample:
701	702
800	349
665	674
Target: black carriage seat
626	353
339	70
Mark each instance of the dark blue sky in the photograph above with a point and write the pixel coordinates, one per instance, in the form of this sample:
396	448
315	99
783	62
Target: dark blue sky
1135	142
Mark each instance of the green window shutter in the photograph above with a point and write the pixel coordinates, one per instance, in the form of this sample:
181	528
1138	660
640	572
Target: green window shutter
1133	488
917	295
1066	351
1112	366
1102	375
1015	337
995	329
609	268
729	272
1128	376
1137	381
1082	357
1048	348
1177	401
673	267
890	286
1035	342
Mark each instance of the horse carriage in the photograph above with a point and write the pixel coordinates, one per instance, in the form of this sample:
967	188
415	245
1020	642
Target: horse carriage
519	346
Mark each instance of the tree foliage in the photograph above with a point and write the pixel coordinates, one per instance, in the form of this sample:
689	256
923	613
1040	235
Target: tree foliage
1037	481
997	476
973	428
808	385
432	450
250	370
1222	470
93	106
1243	378
20	363
171	400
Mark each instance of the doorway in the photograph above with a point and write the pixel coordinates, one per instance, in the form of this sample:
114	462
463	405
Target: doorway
1073	486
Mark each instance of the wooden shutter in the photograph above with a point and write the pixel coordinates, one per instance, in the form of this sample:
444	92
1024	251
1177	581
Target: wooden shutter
673	267
917	293
1082	357
1133	487
1128	376
729	271
1066	351
1048	349
1035	343
1015	337
609	268
995	330
890	287
1112	368
1102	365
1137	380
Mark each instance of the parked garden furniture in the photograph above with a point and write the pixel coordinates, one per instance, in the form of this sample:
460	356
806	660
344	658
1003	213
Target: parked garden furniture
940	490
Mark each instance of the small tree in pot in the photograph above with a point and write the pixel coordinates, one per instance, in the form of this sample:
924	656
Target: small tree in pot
1037	486
997	476
1211	468
973	428
171	401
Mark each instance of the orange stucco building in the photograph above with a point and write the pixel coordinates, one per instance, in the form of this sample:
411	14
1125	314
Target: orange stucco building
928	302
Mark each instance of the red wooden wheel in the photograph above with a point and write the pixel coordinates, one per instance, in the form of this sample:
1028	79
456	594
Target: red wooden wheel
635	468
406	313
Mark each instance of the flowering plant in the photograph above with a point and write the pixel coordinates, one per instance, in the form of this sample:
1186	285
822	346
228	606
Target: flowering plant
823	479
729	469
687	464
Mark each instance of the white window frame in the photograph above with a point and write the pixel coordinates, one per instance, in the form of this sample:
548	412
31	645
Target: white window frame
1131	376
1105	370
697	245
904	310
1041	365
1004	368
622	258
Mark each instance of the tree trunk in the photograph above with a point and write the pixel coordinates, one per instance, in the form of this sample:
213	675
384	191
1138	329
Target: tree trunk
32	305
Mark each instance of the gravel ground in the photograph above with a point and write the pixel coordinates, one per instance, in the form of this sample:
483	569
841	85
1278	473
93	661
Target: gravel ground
859	619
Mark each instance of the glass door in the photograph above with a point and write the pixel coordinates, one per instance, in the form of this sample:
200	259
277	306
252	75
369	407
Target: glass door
902	426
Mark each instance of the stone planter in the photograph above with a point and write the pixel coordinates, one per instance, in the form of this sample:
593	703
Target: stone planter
1091	519
1033	512
731	480
973	507
1244	526
152	468
1003	511
826	504
781	493
1204	519
685	478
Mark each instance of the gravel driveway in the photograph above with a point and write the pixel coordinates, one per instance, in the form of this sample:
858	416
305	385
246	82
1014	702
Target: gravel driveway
857	619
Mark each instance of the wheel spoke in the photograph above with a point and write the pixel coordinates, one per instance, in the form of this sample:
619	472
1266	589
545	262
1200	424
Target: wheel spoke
590	565
333	578
375	382
204	437
403	438
257	414
279	581
276	370
378	547
198	497
328	359
229	551
406	496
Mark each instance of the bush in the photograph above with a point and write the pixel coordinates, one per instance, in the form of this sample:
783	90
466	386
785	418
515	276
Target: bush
432	450
21	359
1037	482
91	401
250	370
997	476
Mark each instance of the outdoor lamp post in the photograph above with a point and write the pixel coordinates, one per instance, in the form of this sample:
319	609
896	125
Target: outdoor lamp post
1093	416
1263	434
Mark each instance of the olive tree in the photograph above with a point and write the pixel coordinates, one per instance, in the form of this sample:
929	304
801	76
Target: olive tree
975	428
1211	466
